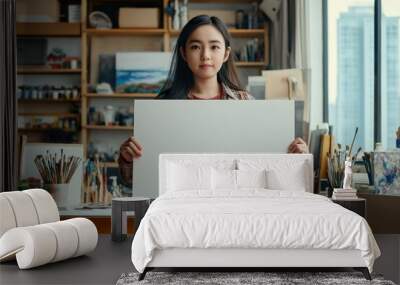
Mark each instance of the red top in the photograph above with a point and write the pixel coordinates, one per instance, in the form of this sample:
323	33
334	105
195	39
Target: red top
217	97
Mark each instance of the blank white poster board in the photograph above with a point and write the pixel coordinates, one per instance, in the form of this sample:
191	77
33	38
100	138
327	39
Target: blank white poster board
29	169
196	126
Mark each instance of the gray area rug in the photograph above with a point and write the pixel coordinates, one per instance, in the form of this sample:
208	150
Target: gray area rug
232	278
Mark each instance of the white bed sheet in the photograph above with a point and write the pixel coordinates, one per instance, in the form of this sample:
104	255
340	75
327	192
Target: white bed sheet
250	218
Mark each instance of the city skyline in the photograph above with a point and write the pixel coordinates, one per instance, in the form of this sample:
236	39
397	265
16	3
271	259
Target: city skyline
352	105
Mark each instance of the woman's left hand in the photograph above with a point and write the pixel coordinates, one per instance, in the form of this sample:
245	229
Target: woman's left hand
298	146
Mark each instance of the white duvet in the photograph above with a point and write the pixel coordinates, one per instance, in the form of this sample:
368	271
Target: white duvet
251	218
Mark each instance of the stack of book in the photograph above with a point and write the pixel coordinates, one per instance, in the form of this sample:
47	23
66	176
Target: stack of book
344	194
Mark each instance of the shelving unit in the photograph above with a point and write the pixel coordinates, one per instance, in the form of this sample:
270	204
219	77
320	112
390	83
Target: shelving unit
233	32
49	29
46	130
46	70
122	95
125	32
56	114
43	101
249	64
111	128
60	108
109	164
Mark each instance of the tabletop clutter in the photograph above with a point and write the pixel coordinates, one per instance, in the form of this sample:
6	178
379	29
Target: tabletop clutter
110	116
340	162
55	170
56	173
97	191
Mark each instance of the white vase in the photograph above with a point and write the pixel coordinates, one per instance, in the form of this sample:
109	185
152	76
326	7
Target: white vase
109	115
60	194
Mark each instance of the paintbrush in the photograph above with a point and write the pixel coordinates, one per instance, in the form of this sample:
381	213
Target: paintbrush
330	140
56	170
352	143
355	156
62	167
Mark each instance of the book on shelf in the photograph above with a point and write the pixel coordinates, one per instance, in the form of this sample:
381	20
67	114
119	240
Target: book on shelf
344	196
341	190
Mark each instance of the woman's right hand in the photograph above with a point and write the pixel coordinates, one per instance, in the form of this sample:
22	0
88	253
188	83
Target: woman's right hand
130	149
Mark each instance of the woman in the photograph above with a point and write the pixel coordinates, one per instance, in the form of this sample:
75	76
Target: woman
202	68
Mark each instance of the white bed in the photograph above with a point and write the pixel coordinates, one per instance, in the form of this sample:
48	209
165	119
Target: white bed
237	217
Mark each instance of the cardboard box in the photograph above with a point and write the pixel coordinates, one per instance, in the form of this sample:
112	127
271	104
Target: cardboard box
226	16
138	18
37	11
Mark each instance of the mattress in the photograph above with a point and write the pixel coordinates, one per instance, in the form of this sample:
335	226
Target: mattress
251	219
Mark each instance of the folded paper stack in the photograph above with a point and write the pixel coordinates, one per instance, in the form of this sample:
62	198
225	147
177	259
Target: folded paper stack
344	194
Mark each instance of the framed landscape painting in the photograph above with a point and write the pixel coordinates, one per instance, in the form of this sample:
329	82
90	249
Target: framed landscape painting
141	72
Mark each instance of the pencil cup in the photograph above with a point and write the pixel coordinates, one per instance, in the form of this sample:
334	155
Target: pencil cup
335	175
59	193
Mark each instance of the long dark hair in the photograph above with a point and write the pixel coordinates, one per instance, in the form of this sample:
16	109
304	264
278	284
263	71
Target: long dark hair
180	78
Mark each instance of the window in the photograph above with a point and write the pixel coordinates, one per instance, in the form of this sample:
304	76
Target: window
390	78
351	70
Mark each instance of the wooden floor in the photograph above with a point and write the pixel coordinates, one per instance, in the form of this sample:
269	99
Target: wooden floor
103	266
110	259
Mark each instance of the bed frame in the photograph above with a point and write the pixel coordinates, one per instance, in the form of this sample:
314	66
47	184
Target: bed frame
242	259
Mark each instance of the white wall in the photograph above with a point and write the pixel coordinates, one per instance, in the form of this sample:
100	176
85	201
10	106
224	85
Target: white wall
314	59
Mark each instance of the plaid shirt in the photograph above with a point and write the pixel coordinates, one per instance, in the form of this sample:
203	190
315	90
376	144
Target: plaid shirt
126	168
230	94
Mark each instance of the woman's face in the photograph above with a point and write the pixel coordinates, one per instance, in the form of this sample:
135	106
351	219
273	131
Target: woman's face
205	52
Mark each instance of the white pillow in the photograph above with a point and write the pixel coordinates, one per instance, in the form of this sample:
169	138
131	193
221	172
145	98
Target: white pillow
223	179
282	174
185	177
293	181
251	178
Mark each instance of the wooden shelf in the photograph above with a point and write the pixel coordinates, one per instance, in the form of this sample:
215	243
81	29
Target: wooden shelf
49	114
126	32
49	29
223	1
250	64
234	32
247	32
46	70
109	164
122	95
112	128
46	130
41	101
161	32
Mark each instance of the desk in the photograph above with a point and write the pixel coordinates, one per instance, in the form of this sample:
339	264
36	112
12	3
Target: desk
383	212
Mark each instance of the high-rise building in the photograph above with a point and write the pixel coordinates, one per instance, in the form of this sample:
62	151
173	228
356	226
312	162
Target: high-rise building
354	106
355	76
390	80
